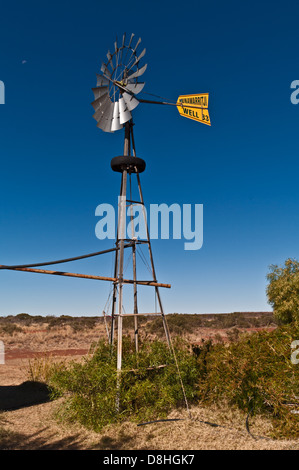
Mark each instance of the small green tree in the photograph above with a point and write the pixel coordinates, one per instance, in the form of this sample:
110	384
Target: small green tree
145	390
283	291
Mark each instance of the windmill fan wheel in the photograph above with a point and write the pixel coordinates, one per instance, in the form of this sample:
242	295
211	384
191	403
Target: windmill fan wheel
118	84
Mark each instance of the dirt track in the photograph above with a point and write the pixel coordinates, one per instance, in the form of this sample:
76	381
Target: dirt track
27	354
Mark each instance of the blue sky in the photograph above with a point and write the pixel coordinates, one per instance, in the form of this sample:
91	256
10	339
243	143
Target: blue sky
55	163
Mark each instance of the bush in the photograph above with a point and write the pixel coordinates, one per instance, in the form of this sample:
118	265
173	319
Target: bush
178	324
256	375
10	329
283	291
76	323
82	324
144	394
24	318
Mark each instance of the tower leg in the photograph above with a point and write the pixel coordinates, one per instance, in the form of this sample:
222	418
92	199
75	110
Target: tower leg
165	325
122	221
166	329
135	300
134	273
114	298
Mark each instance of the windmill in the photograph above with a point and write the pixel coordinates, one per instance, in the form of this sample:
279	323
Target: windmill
115	97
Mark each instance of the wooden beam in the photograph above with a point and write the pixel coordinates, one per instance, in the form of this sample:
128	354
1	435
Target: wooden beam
136	314
87	276
147	368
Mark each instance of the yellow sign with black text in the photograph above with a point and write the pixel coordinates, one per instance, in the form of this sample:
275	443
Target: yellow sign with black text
194	107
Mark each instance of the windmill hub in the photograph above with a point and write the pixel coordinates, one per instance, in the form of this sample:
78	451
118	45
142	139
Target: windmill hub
121	84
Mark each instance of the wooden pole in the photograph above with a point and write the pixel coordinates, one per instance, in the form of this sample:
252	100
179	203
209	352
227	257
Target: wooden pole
87	276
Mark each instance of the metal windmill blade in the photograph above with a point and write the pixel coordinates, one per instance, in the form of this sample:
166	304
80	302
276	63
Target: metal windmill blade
118	84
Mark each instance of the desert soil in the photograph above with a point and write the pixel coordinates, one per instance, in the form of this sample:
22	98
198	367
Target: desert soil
35	427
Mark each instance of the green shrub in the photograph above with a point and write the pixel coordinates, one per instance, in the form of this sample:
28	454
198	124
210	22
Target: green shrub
24	318
144	394
177	324
82	323
256	375
76	323
10	328
283	291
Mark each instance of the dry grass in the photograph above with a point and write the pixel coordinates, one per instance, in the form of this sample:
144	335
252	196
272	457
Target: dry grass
36	428
40	338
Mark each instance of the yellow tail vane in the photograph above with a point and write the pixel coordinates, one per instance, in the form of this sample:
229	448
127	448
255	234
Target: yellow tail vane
194	107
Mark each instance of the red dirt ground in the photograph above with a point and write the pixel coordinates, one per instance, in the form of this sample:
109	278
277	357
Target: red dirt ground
23	353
